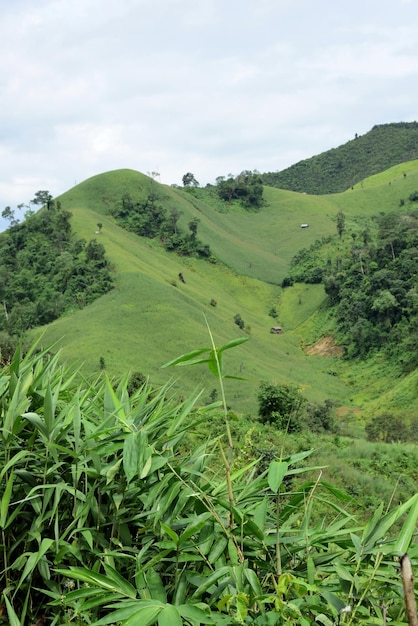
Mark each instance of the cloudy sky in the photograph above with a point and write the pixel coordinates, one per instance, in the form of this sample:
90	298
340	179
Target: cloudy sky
207	86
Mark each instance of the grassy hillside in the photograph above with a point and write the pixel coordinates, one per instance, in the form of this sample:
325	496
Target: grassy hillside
151	316
340	168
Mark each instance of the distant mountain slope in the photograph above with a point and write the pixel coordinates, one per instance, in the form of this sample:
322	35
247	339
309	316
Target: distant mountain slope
340	168
151	316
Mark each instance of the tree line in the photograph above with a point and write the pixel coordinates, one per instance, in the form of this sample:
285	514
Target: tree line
44	269
371	284
148	218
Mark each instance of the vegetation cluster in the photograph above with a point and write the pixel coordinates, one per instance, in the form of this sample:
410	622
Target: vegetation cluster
107	516
45	270
247	188
149	218
371	281
340	168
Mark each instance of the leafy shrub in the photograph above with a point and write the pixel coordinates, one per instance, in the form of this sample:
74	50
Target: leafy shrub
239	321
107	517
387	428
280	405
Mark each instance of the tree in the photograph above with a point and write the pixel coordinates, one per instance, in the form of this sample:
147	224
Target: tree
43	198
193	226
9	214
239	321
387	428
340	223
280	405
189	180
247	187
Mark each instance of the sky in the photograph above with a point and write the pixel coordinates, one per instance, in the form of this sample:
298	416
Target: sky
211	87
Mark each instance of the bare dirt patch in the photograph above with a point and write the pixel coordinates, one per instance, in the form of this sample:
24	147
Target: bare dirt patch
325	347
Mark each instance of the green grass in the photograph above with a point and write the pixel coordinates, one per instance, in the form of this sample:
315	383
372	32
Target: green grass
151	317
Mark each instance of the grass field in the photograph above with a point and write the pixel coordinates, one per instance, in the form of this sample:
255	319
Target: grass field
150	317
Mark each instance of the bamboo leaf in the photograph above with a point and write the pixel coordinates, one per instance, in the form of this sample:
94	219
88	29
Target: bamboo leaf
5	501
277	471
155	585
34	559
378	532
221	572
130	456
194	613
185	358
233	343
252	578
217	549
37	421
170	532
49	410
194	527
169	616
127	589
146	469
93	578
143	612
215	363
408	530
13	618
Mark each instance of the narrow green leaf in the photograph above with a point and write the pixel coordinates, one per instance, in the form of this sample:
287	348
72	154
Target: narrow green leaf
49	410
310	570
34	559
378	532
169	616
126	587
145	614
334	601
155	585
221	572
180	591
194	613
408	530
130	456
217	549
92	578
215	363
252	578
184	358
146	469
5	501
112	471
13	618
194	527
170	532
276	473
233	343
37	421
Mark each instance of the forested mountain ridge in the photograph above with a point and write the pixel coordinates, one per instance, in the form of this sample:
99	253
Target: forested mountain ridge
338	169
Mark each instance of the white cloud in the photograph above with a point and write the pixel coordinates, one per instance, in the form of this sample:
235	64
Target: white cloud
208	86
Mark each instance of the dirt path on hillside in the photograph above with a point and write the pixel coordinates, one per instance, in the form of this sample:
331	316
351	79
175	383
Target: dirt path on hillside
325	347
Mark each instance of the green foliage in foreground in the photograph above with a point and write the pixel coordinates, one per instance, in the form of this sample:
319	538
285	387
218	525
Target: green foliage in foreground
106	517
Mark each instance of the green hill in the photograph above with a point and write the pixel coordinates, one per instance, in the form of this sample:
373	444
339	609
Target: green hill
340	168
151	317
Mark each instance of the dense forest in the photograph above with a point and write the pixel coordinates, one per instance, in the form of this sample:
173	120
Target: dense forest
340	168
369	271
45	270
